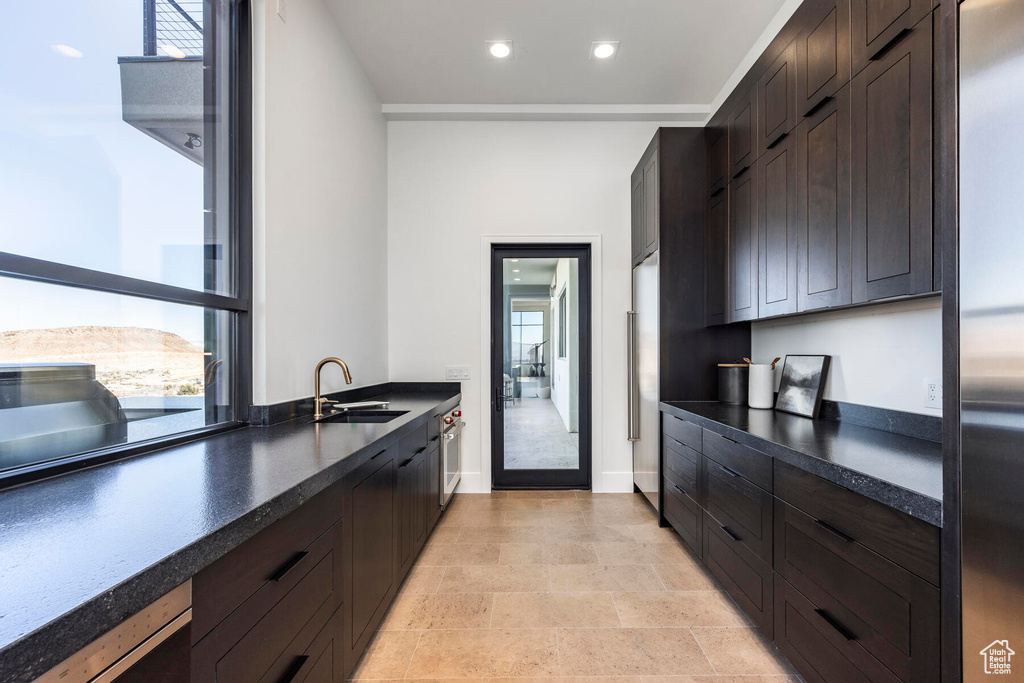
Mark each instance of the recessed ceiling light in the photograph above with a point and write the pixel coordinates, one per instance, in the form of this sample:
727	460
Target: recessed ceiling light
516	279
66	51
499	49
514	260
604	50
172	51
515	270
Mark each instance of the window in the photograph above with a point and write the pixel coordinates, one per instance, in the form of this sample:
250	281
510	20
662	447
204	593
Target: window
563	330
124	232
527	337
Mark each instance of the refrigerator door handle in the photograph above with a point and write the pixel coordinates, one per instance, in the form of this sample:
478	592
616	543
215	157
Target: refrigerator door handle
632	400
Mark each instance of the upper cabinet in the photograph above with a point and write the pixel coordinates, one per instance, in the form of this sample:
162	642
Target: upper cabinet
651	207
645	195
879	24
777	229
822	55
716	241
717	160
742	134
742	268
776	99
892	170
637	216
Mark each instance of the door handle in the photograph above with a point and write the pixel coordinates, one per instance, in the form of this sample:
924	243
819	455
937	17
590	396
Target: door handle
632	419
499	397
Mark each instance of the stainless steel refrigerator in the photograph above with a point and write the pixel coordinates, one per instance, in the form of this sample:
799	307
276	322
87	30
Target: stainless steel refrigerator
992	337
642	338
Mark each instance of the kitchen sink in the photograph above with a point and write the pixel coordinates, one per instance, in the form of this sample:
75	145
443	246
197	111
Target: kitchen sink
363	416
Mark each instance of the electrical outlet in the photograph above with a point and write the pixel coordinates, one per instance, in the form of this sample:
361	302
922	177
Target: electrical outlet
281	9
933	393
456	372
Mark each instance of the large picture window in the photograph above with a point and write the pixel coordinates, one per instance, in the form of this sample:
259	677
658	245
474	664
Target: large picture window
125	248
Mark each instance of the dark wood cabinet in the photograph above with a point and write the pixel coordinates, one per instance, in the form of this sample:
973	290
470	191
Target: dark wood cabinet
776	100
742	262
746	577
743	510
716	290
645	199
682	465
652	192
878	24
636	232
412	509
822	54
777	229
684	514
892	170
717	149
433	484
824	258
742	134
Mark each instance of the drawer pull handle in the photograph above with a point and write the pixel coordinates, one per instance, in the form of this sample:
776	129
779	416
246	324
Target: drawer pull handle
738	173
834	531
889	43
407	462
381	453
776	140
422	450
294	669
288	566
676	487
817	105
831	621
731	473
729	532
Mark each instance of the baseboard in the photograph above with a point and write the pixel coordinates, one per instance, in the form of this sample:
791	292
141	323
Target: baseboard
614	482
473	482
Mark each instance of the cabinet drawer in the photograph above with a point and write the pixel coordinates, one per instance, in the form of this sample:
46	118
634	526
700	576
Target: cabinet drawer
819	652
684	514
744	510
312	657
886	610
909	542
747	578
220	588
755	466
682	431
682	466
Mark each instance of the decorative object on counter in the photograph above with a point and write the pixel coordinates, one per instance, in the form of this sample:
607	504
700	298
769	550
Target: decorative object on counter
761	393
803	383
732	383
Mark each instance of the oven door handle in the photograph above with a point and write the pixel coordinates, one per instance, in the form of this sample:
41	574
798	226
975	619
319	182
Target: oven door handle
454	431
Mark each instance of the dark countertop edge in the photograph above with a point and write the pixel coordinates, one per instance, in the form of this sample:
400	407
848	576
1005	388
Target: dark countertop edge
20	660
917	505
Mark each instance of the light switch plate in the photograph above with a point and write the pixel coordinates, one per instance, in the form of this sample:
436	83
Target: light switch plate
933	392
281	9
456	373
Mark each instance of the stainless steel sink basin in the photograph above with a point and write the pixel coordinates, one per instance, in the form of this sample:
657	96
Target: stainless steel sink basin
363	416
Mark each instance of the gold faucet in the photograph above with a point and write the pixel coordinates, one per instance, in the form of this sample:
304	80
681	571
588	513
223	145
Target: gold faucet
317	401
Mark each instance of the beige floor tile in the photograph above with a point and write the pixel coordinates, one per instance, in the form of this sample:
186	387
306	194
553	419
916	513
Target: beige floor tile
630	651
547	553
589	534
720	679
544	518
741	651
422	579
503	534
444	534
459	554
470	517
388	655
496	579
540	495
549	610
631	516
539	504
643	553
686	577
489	653
439	611
619	577
649	533
694	608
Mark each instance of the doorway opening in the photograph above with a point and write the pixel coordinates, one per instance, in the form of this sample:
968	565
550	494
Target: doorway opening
540	366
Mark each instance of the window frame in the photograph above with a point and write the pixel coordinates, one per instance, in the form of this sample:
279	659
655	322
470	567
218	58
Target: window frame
239	176
563	321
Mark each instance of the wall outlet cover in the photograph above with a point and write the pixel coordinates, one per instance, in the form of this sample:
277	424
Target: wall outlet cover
456	373
933	392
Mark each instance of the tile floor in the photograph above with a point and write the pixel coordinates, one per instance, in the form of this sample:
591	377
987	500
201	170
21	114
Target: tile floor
536	437
539	585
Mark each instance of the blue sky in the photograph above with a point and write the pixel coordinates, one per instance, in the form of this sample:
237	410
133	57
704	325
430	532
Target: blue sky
80	186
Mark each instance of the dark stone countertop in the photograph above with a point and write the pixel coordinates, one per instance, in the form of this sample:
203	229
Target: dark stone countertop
81	552
902	472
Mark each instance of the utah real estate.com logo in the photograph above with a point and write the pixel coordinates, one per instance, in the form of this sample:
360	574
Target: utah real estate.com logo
997	657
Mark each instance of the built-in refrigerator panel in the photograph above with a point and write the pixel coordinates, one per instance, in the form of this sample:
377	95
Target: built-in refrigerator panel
991	298
645	427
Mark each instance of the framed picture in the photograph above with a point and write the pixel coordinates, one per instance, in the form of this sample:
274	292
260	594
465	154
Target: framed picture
803	383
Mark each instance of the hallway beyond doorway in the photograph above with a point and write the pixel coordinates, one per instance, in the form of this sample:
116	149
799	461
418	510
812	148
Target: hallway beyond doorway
536	437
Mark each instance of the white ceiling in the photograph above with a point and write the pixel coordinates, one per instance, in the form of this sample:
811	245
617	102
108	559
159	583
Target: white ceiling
672	52
532	271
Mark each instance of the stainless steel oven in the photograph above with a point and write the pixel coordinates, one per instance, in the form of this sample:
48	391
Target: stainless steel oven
451	453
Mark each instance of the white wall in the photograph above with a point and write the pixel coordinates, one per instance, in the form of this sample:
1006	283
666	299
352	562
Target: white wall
881	354
320	206
453	184
566	371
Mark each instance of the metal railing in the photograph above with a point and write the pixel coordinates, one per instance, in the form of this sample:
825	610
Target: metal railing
172	28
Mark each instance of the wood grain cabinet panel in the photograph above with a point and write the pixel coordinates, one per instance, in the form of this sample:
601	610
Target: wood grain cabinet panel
777	229
717	148
742	134
716	269
744	511
878	24
742	265
637	217
824	258
892	171
747	578
776	100
684	514
823	55
652	211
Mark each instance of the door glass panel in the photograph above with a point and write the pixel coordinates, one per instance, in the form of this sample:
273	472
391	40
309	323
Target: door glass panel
541	363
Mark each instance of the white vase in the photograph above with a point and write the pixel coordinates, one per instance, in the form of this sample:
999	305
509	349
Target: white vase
761	387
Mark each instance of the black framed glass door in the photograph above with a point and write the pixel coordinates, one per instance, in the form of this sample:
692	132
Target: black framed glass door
541	422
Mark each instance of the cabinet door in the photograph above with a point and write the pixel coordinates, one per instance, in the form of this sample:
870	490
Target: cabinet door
652	213
373	546
433	500
892	171
717	145
406	506
823	206
823	55
742	133
637	217
777	229
419	514
716	304
877	24
776	99
743	247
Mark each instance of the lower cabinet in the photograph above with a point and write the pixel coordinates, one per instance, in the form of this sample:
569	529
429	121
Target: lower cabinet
684	514
412	512
746	577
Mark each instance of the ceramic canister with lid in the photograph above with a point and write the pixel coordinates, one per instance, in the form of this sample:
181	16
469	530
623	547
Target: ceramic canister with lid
732	383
